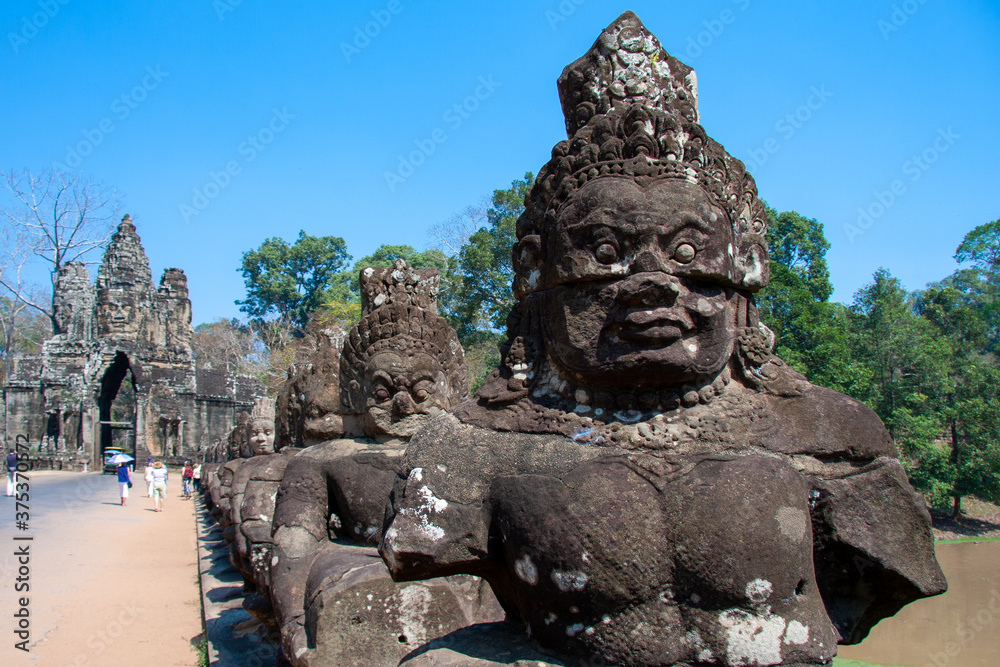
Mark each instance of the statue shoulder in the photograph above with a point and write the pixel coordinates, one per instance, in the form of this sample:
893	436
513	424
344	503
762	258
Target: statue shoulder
822	422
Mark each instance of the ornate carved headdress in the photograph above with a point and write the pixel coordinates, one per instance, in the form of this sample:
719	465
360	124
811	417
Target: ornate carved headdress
631	111
263	411
399	313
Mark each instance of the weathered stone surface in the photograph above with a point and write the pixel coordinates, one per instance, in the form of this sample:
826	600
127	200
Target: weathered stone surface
358	616
308	409
484	645
334	600
402	362
61	399
641	481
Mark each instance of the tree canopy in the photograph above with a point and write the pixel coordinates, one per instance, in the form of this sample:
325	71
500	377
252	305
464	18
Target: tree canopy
483	295
292	281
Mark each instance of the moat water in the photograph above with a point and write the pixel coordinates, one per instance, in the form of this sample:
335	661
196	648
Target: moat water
958	629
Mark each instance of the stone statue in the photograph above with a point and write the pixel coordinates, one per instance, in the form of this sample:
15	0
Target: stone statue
401	366
308	409
117	313
222	479
252	494
258	438
124	284
641	481
172	301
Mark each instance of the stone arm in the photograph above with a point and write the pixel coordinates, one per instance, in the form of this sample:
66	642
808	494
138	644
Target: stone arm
441	521
331	495
298	531
873	548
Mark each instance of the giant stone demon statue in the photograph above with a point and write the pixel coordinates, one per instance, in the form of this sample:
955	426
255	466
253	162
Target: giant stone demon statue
641	481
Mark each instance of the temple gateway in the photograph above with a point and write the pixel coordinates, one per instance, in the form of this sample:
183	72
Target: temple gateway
119	371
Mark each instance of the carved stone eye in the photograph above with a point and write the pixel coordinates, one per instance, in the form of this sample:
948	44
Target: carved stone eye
606	253
685	253
382	394
422	390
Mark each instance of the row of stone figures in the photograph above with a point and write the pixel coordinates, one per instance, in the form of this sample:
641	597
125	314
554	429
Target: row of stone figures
303	523
641	482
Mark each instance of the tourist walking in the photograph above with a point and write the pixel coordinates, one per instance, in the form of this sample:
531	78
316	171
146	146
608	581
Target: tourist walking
197	476
148	477
186	478
11	462
159	485
124	482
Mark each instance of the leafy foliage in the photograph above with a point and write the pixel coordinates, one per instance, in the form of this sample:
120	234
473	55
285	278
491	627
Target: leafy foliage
483	291
293	280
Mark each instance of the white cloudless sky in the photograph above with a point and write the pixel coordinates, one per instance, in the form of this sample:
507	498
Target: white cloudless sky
226	122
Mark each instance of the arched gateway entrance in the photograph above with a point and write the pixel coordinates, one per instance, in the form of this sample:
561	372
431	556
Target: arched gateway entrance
117	406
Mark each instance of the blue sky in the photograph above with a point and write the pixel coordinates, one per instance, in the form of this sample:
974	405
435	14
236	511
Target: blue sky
225	122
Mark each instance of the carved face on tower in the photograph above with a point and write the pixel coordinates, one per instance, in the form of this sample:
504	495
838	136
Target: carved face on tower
117	312
639	277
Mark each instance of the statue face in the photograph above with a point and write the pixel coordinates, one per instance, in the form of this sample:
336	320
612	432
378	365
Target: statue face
403	392
261	437
116	312
639	275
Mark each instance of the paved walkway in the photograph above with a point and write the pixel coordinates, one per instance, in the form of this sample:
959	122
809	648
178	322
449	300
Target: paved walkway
109	585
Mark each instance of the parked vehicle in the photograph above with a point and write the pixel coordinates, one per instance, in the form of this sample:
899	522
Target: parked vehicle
108	455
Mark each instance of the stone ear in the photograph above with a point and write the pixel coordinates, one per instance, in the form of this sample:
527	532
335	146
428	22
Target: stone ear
525	259
755	267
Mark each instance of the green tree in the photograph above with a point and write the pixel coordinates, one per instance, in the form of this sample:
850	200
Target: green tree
980	283
293	280
885	338
962	396
811	334
483	295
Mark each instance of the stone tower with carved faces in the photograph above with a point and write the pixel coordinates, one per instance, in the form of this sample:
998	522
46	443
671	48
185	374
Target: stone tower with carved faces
119	370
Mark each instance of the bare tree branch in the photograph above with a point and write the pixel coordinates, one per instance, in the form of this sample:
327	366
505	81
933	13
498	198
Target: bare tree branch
449	236
57	218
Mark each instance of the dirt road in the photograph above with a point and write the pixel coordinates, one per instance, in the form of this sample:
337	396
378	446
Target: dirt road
109	585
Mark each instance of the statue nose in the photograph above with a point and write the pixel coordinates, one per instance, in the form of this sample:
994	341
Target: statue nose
646	261
653	288
402	404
